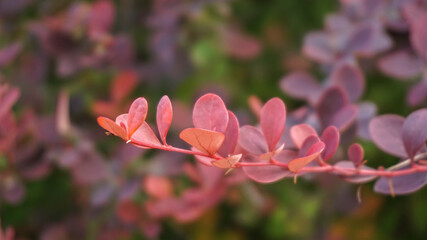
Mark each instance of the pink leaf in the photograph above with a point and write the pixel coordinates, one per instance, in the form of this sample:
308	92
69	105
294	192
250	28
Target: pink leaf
414	132
298	163
301	132
419	36
252	140
401	65
386	132
145	135
101	17
355	154
401	184
137	114
317	47
331	138
231	136
331	101
206	141
418	93
273	118
268	174
164	117
300	85
210	113
350	78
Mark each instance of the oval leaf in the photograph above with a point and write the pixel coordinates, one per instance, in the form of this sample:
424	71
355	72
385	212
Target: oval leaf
350	78
204	140
355	153
273	118
231	136
210	113
300	85
331	138
252	140
301	132
228	162
402	184
112	127
414	132
137	114
164	117
145	136
386	132
331	101
401	65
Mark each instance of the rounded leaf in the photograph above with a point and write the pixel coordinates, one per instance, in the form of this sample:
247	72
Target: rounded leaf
164	117
206	141
414	132
401	65
386	132
112	127
331	138
273	118
355	153
300	85
137	114
210	113
252	140
231	136
350	78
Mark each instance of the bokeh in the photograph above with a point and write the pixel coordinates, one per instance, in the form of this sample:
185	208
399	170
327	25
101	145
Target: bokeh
63	63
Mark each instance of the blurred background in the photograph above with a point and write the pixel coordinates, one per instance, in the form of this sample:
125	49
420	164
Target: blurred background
65	62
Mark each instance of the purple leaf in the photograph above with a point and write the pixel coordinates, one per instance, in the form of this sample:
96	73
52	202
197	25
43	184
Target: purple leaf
386	132
344	117
414	132
402	184
418	93
367	111
401	65
7	54
164	117
368	39
331	101
307	144
268	174
231	136
419	36
343	165
300	85
210	113
350	78
355	154
252	140
273	119
317	47
331	138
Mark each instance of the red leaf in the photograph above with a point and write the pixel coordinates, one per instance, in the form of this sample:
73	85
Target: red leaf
350	78
414	132
313	153
228	162
164	117
386	132
137	114
301	132
331	138
206	141
355	154
273	118
231	136
210	113
112	127
123	84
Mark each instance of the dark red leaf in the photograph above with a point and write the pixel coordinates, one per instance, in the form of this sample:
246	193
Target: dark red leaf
355	154
273	118
331	138
210	113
